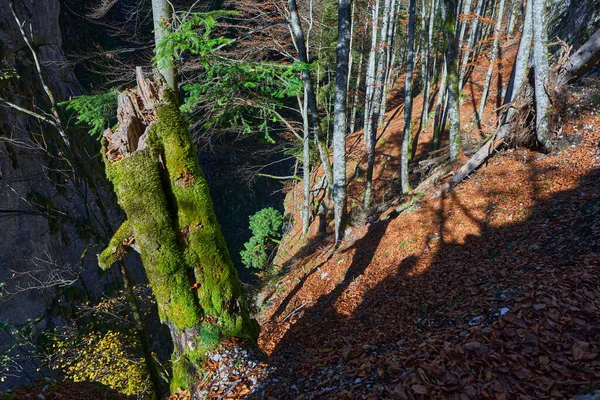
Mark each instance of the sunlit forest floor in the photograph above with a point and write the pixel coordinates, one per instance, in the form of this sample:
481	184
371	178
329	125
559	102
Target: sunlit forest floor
489	292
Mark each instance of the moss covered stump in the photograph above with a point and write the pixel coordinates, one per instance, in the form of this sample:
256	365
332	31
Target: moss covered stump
152	162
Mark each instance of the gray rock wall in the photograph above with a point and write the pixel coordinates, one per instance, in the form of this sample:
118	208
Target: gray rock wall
32	184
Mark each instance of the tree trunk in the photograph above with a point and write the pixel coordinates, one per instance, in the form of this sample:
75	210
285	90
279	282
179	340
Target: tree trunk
514	12
389	54
519	72
453	78
356	92
406	137
162	15
312	100
540	58
339	116
581	61
305	165
378	92
438	128
152	163
471	42
488	78
370	74
427	76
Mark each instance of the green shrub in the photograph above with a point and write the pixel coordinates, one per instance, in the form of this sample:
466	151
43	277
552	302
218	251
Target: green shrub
265	226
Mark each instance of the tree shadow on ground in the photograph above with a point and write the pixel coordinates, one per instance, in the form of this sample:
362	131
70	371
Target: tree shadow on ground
411	327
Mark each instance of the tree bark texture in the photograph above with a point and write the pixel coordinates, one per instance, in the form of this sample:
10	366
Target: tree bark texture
152	162
378	92
453	76
488	77
370	74
581	61
406	136
471	42
339	116
312	100
540	59
162	15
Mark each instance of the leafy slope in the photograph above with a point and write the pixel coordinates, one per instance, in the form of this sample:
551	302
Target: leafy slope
491	292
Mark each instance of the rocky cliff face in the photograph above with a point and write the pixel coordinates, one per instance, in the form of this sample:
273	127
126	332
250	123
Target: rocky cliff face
574	21
42	213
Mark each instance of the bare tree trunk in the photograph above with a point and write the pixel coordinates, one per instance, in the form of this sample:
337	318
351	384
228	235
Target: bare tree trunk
463	25
488	78
540	58
427	76
406	136
519	72
581	61
378	92
389	52
370	74
514	12
340	117
312	101
441	100
162	15
356	92
471	43
305	165
453	78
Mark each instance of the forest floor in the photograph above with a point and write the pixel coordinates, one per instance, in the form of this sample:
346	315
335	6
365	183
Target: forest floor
488	292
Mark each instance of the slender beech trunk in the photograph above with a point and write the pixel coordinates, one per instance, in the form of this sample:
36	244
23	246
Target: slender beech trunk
162	15
378	91
312	100
540	57
452	65
356	93
389	53
438	128
490	71
471	42
151	160
340	116
519	71
305	165
406	137
463	25
370	74
427	76
514	12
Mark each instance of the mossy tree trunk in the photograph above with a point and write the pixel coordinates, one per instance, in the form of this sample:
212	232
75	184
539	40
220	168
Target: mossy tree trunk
152	162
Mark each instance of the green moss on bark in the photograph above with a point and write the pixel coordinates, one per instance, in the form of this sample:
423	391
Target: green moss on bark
138	185
165	195
220	293
115	249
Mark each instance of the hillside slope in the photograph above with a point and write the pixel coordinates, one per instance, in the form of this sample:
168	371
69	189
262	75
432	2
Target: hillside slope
490	292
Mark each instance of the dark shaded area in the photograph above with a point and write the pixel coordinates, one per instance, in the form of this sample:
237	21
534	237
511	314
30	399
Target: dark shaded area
487	272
